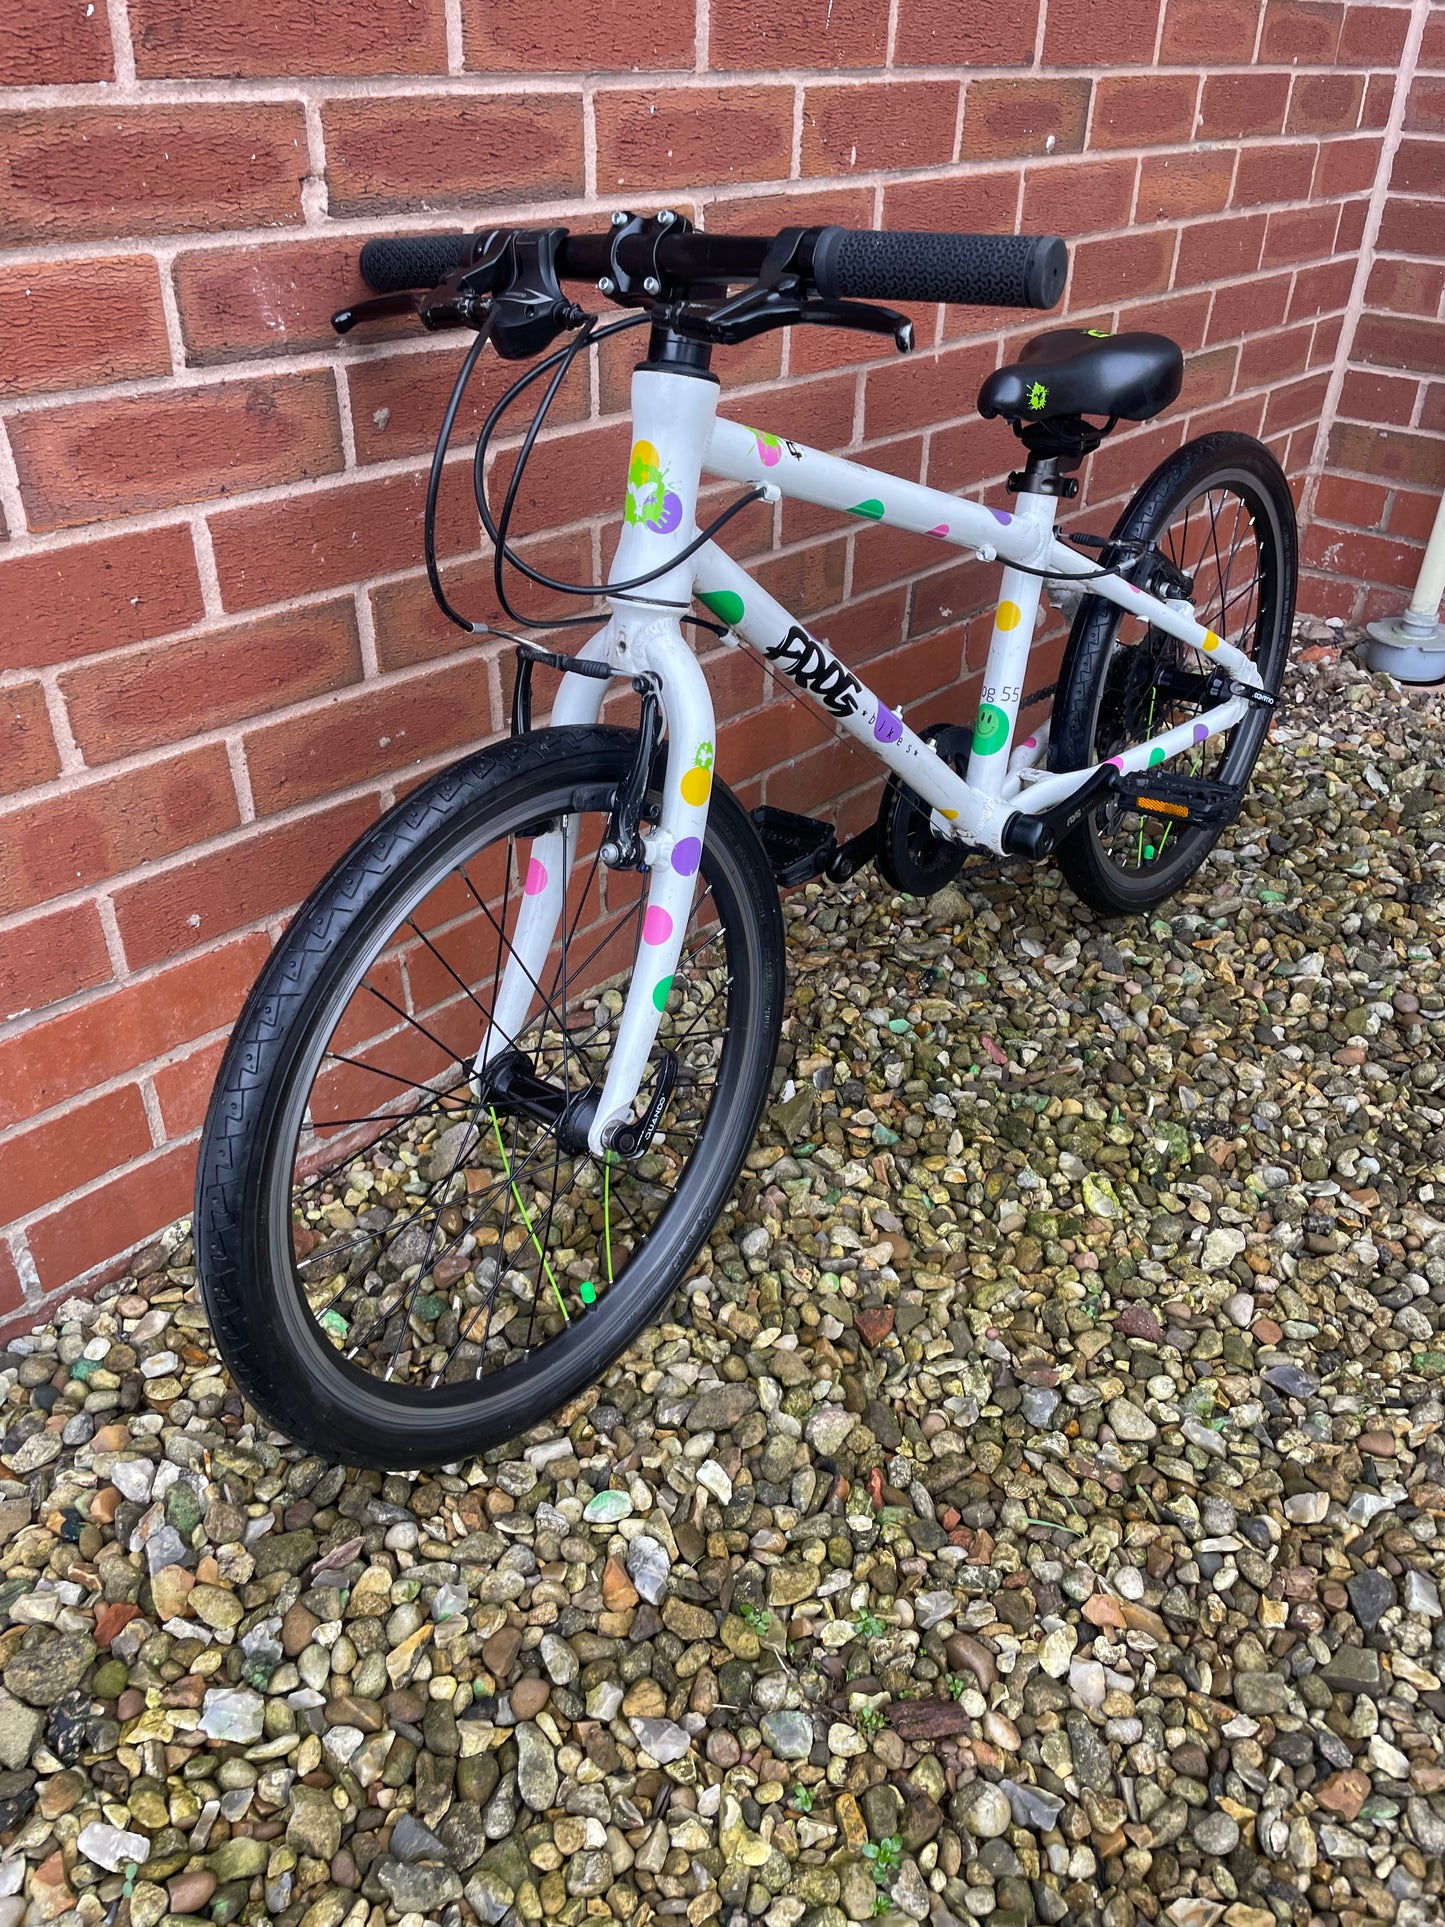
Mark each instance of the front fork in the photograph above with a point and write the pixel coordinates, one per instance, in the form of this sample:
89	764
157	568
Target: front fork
637	645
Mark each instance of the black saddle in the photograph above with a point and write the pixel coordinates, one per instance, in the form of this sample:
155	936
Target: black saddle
1077	371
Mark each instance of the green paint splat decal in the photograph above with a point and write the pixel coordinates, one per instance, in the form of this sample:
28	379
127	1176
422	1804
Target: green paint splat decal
1038	396
990	732
726	606
659	993
1099	334
872	509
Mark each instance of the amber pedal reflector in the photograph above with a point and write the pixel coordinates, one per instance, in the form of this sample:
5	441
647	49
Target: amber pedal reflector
1157	803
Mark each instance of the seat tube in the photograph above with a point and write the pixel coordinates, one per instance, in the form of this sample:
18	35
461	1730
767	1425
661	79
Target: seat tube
1008	655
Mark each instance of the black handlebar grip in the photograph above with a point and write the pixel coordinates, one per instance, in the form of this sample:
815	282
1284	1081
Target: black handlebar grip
975	270
413	261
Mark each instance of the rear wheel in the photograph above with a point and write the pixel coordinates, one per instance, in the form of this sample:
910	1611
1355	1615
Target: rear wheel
404	1263
1220	512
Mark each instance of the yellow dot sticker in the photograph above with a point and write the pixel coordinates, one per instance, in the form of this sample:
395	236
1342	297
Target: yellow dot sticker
1009	615
1211	641
696	785
952	815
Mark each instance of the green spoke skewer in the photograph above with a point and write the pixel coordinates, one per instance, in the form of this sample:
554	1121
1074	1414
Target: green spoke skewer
526	1219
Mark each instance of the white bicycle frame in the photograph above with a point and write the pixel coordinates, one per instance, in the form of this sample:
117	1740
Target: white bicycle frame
678	436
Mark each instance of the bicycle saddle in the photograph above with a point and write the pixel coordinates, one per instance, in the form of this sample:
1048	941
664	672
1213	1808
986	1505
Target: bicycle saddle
1075	371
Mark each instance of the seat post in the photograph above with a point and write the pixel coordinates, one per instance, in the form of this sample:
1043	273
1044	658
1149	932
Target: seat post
1044	475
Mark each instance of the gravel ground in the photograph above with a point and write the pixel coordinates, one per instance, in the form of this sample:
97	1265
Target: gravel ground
1036	1516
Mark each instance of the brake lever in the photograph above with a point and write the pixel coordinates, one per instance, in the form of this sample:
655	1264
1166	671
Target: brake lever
379	308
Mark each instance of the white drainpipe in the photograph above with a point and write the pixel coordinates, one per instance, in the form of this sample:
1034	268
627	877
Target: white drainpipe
1412	646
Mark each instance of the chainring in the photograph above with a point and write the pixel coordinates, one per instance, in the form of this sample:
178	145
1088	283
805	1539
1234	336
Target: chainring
909	855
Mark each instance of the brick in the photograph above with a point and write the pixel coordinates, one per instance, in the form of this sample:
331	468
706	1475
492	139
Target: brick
1413	515
661	137
1269	358
1024	117
1143	110
1180	316
1306	31
192	39
1378	398
85	173
47	45
1398	341
937	33
1078	197
1379	101
93	830
1346	167
1273	174
1300	401
1324	347
63	1153
1299	234
1417	168
908	123
1425	105
453	148
972	203
1078	31
1432	44
118	1215
69	601
1107	271
327	538
1219	250
798	33
124	457
1249	307
585	36
1432	413
1209	33
1321	289
397	401
1350	234
27	746
269	299
1374	35
381	730
411	629
50	957
183	1089
1325	104
806	581
48	333
925	391
104	1038
1178	187
1233	105
120	705
259	874
1405	287
1357	504
1389	453
1409	226
12	1294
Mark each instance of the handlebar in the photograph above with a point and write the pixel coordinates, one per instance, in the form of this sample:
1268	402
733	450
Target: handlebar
993	270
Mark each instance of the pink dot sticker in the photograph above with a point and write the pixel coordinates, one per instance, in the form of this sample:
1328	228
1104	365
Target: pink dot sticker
1117	762
686	855
656	925
942	529
536	879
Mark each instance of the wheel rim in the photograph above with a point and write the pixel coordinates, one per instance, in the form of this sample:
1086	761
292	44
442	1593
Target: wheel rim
1225	535
439	1239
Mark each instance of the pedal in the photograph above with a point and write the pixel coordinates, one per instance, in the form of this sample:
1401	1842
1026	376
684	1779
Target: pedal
799	848
1187	799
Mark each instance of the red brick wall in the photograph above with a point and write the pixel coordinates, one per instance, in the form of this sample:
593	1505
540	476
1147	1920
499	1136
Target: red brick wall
218	659
1380	456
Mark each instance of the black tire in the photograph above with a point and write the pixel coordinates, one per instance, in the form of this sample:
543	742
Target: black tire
1109	667
247	1239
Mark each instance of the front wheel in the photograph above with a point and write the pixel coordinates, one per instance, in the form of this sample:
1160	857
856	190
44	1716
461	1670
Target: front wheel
1220	513
404	1262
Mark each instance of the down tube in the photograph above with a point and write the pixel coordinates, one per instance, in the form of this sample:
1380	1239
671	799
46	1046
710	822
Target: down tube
812	668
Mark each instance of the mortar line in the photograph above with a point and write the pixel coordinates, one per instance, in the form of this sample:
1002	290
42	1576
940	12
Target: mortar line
114	942
121	44
456	39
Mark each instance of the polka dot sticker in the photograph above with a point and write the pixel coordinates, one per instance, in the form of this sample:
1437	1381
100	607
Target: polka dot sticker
1001	515
887	727
668	516
536	878
659	992
990	732
1201	733
942	529
871	510
696	786
656	925
1009	616
1155	756
952	815
726	606
686	855
770	449
1030	742
1211	642
1117	762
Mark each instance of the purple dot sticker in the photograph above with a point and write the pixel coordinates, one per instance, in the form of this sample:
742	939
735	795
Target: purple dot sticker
886	726
1001	515
1201	733
656	925
536	879
668	516
686	855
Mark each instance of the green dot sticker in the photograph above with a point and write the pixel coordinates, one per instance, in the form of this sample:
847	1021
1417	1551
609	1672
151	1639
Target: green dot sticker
1155	756
659	993
726	606
871	510
990	732
588	1293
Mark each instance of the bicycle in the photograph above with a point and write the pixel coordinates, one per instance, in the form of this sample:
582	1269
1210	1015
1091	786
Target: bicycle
495	1084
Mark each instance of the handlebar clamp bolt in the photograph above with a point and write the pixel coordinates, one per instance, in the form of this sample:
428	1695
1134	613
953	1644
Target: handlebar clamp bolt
619	218
652	285
607	285
666	217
